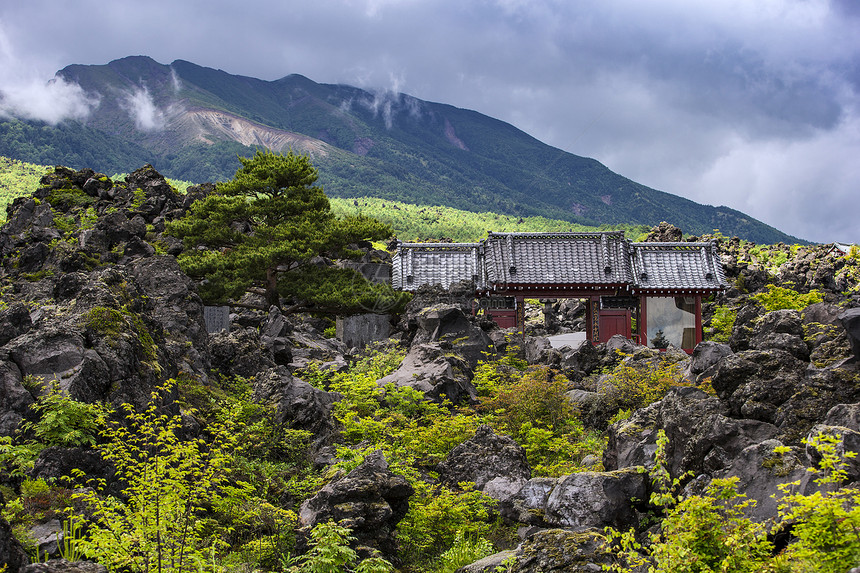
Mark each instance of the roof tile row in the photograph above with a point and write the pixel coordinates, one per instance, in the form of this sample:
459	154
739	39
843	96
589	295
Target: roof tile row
572	259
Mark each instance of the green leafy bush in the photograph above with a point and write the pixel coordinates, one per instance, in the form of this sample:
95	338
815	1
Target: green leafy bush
171	484
437	515
464	551
722	323
825	523
633	384
64	421
708	533
780	298
699	534
330	553
16	460
532	408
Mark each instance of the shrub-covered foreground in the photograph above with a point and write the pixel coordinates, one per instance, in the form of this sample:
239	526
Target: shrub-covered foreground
206	479
710	533
224	497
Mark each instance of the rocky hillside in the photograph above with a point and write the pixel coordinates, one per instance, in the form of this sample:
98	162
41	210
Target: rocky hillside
190	122
288	434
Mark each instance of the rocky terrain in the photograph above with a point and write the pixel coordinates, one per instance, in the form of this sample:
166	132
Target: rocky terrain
92	297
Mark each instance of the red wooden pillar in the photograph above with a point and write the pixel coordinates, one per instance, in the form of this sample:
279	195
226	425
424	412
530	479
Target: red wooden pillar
642	323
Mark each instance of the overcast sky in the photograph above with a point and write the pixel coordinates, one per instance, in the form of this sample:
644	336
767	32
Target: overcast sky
751	104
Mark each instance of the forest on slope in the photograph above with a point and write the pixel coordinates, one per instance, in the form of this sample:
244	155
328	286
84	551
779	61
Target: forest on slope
410	222
367	144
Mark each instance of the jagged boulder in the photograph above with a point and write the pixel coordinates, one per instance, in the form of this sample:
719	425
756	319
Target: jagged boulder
238	353
824	335
579	363
702	438
175	309
742	330
776	387
705	360
28	222
529	504
597	499
460	294
307	344
583	499
755	383
780	330
109	319
300	405
370	500
48	537
429	369
274	336
760	471
449	325
562	551
843	423
495	463
14	321
850	320
537	350
664	233
15	399
58	353
54	462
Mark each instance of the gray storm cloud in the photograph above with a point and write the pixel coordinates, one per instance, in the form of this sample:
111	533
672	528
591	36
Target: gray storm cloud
752	105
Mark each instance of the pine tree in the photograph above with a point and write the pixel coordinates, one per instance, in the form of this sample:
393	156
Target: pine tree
265	231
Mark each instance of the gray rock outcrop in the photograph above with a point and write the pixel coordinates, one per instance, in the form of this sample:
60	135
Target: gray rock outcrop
370	500
581	500
495	463
434	372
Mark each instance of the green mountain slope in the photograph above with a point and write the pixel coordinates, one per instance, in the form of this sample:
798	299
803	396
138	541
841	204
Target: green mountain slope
385	145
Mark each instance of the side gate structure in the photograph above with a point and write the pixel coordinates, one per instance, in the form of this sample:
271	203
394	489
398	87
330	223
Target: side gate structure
649	292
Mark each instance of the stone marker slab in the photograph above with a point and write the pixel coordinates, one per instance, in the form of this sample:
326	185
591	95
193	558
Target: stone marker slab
217	318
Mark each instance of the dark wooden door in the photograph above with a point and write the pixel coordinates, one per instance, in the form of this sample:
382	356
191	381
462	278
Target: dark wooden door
614	322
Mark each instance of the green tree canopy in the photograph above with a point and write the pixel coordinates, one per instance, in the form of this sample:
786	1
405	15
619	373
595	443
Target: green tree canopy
266	231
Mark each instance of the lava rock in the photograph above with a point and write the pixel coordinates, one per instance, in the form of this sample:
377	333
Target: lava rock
495	463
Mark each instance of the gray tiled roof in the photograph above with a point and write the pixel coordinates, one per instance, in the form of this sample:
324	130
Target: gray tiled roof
592	259
677	266
557	258
416	264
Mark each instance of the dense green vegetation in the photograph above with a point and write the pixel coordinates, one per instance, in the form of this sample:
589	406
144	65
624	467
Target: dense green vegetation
709	532
226	499
17	179
192	508
222	506
409	222
265	227
71	144
424	223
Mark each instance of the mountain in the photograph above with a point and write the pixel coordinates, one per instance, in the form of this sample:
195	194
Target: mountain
190	122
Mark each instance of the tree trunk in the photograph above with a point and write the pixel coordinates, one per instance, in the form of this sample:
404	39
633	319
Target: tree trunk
272	297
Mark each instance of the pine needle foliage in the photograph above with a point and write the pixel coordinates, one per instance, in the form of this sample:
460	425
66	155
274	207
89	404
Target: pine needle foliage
266	230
